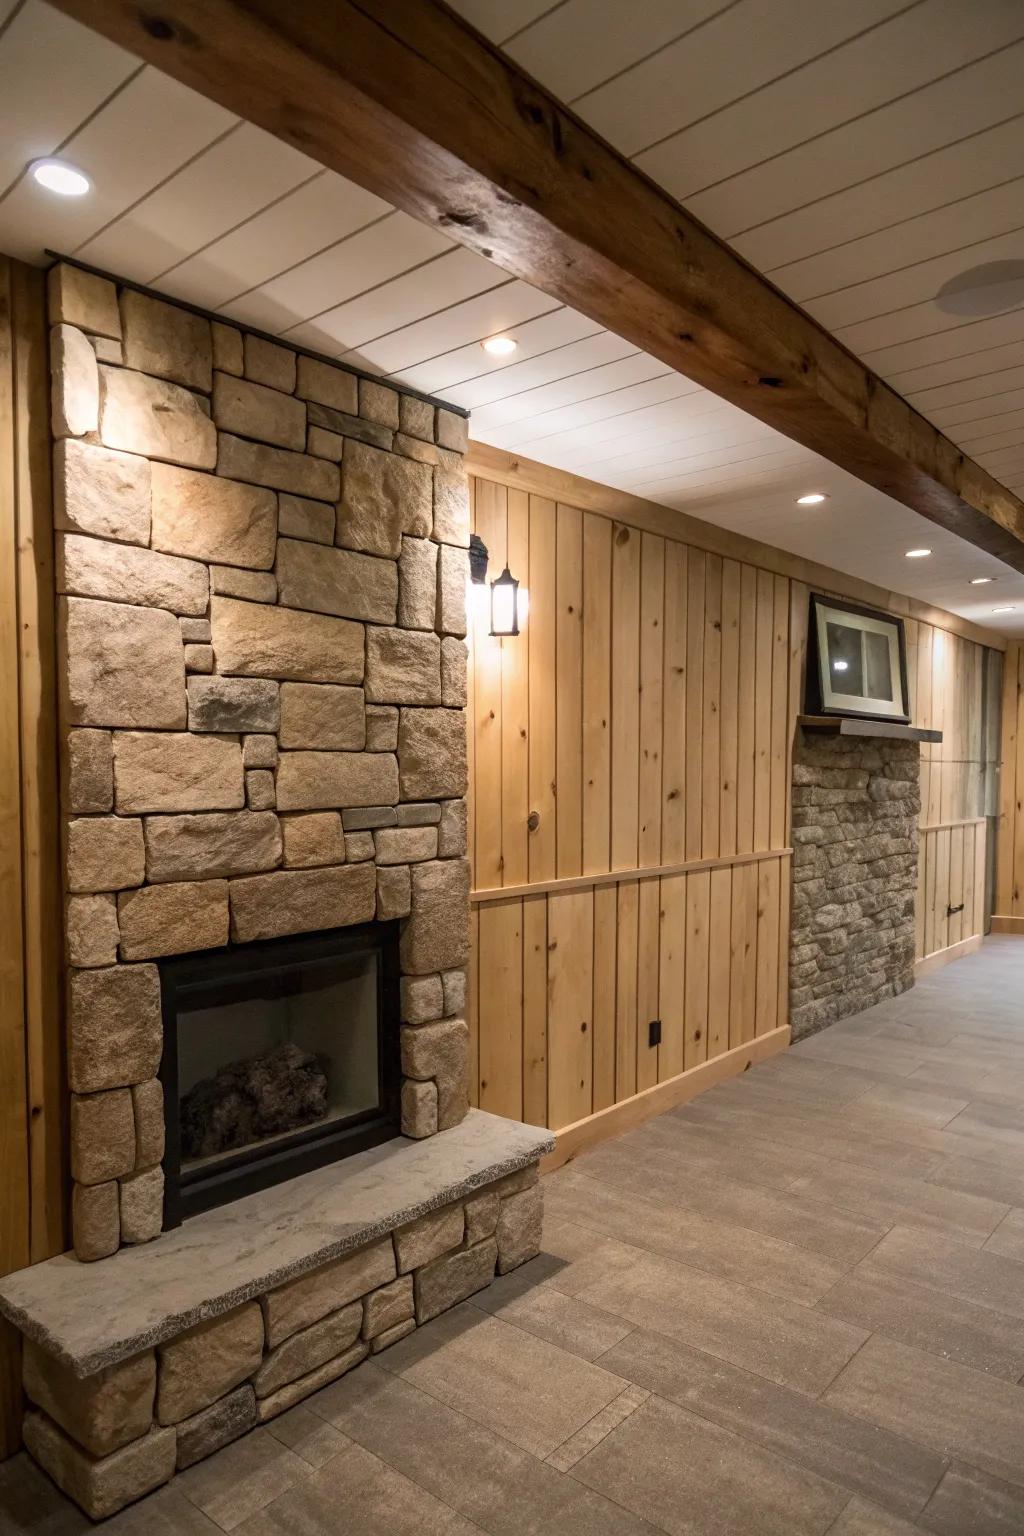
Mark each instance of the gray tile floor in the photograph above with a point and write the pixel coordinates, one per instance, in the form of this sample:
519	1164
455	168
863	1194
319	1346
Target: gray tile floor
795	1306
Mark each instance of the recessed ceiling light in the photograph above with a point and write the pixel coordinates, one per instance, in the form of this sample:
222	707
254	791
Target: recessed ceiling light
812	499
1006	608
57	176
499	346
980	581
917	554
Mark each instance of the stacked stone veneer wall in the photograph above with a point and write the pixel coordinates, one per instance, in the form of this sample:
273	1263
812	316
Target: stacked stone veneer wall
262	564
856	803
127	1429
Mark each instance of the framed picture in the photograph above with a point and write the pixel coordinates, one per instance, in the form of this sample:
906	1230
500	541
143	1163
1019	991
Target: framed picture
856	662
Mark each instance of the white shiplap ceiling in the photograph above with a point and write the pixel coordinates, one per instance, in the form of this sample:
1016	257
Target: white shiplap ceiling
861	154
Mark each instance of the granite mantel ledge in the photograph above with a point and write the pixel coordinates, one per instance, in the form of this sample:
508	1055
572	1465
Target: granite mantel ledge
93	1315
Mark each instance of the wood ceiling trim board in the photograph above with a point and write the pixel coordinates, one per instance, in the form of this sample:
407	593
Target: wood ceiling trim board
402	97
575	491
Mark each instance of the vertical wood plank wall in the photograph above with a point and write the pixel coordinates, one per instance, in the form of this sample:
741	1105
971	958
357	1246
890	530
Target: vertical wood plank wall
1008	914
646	716
31	1069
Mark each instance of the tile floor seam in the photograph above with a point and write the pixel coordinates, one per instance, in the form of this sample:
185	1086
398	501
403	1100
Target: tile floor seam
630	1409
844	1278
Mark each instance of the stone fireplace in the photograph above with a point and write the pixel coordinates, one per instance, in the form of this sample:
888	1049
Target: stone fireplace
261	561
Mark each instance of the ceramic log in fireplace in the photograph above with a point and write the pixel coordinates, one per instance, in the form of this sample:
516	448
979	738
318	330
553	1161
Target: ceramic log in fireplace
278	1057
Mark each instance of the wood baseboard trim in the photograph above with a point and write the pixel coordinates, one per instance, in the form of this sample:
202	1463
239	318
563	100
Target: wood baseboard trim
582	1134
1007	924
943	957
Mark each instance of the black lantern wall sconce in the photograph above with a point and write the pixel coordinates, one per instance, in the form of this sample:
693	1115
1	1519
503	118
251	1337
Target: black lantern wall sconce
505	603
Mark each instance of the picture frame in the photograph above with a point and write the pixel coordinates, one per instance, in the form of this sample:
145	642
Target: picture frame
856	662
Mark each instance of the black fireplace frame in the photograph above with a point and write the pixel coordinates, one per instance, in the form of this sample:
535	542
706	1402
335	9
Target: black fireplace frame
251	1169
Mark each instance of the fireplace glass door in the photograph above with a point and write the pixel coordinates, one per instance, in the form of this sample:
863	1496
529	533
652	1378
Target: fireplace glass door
278	1057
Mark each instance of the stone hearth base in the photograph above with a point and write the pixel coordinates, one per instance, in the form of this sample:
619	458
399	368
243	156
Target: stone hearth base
144	1363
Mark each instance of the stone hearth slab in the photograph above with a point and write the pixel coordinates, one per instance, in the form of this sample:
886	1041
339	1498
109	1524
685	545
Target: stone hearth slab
93	1315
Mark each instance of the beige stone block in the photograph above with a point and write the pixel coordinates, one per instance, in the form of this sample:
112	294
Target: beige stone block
302	519
202	1365
160	338
402	667
451	503
104	853
260	794
199	659
453	672
99	491
306	1300
416	417
259	751
358	847
436	935
454	985
227	348
394	893
212	1428
327	385
122	573
417	574
173	919
427	1238
176	771
279	1402
311	1347
142	1206
123	665
233	704
251	586
520	1223
440	1051
383	497
321	715
90	926
312	841
148	1109
386	1308
325	444
481	1216
450	1280
211	519
254	640
381	728
267	363
95	1221
338	581
300	901
422	999
425	453
207	847
419	1109
405	845
452	430
451	834
327	781
432	753
153	417
101	1487
253	410
74	383
102	1412
279	468
89	765
81	298
107	349
452	589
523	1178
378	403
195	631
392	1336
102	1139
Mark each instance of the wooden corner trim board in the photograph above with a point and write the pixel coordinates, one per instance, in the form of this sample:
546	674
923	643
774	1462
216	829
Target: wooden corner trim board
408	100
1006	924
617	876
942	957
560	485
571	1140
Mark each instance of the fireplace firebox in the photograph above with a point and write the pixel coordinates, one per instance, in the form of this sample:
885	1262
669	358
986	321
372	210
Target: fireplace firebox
279	1057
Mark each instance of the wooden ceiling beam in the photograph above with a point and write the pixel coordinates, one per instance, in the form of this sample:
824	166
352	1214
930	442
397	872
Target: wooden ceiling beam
408	101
